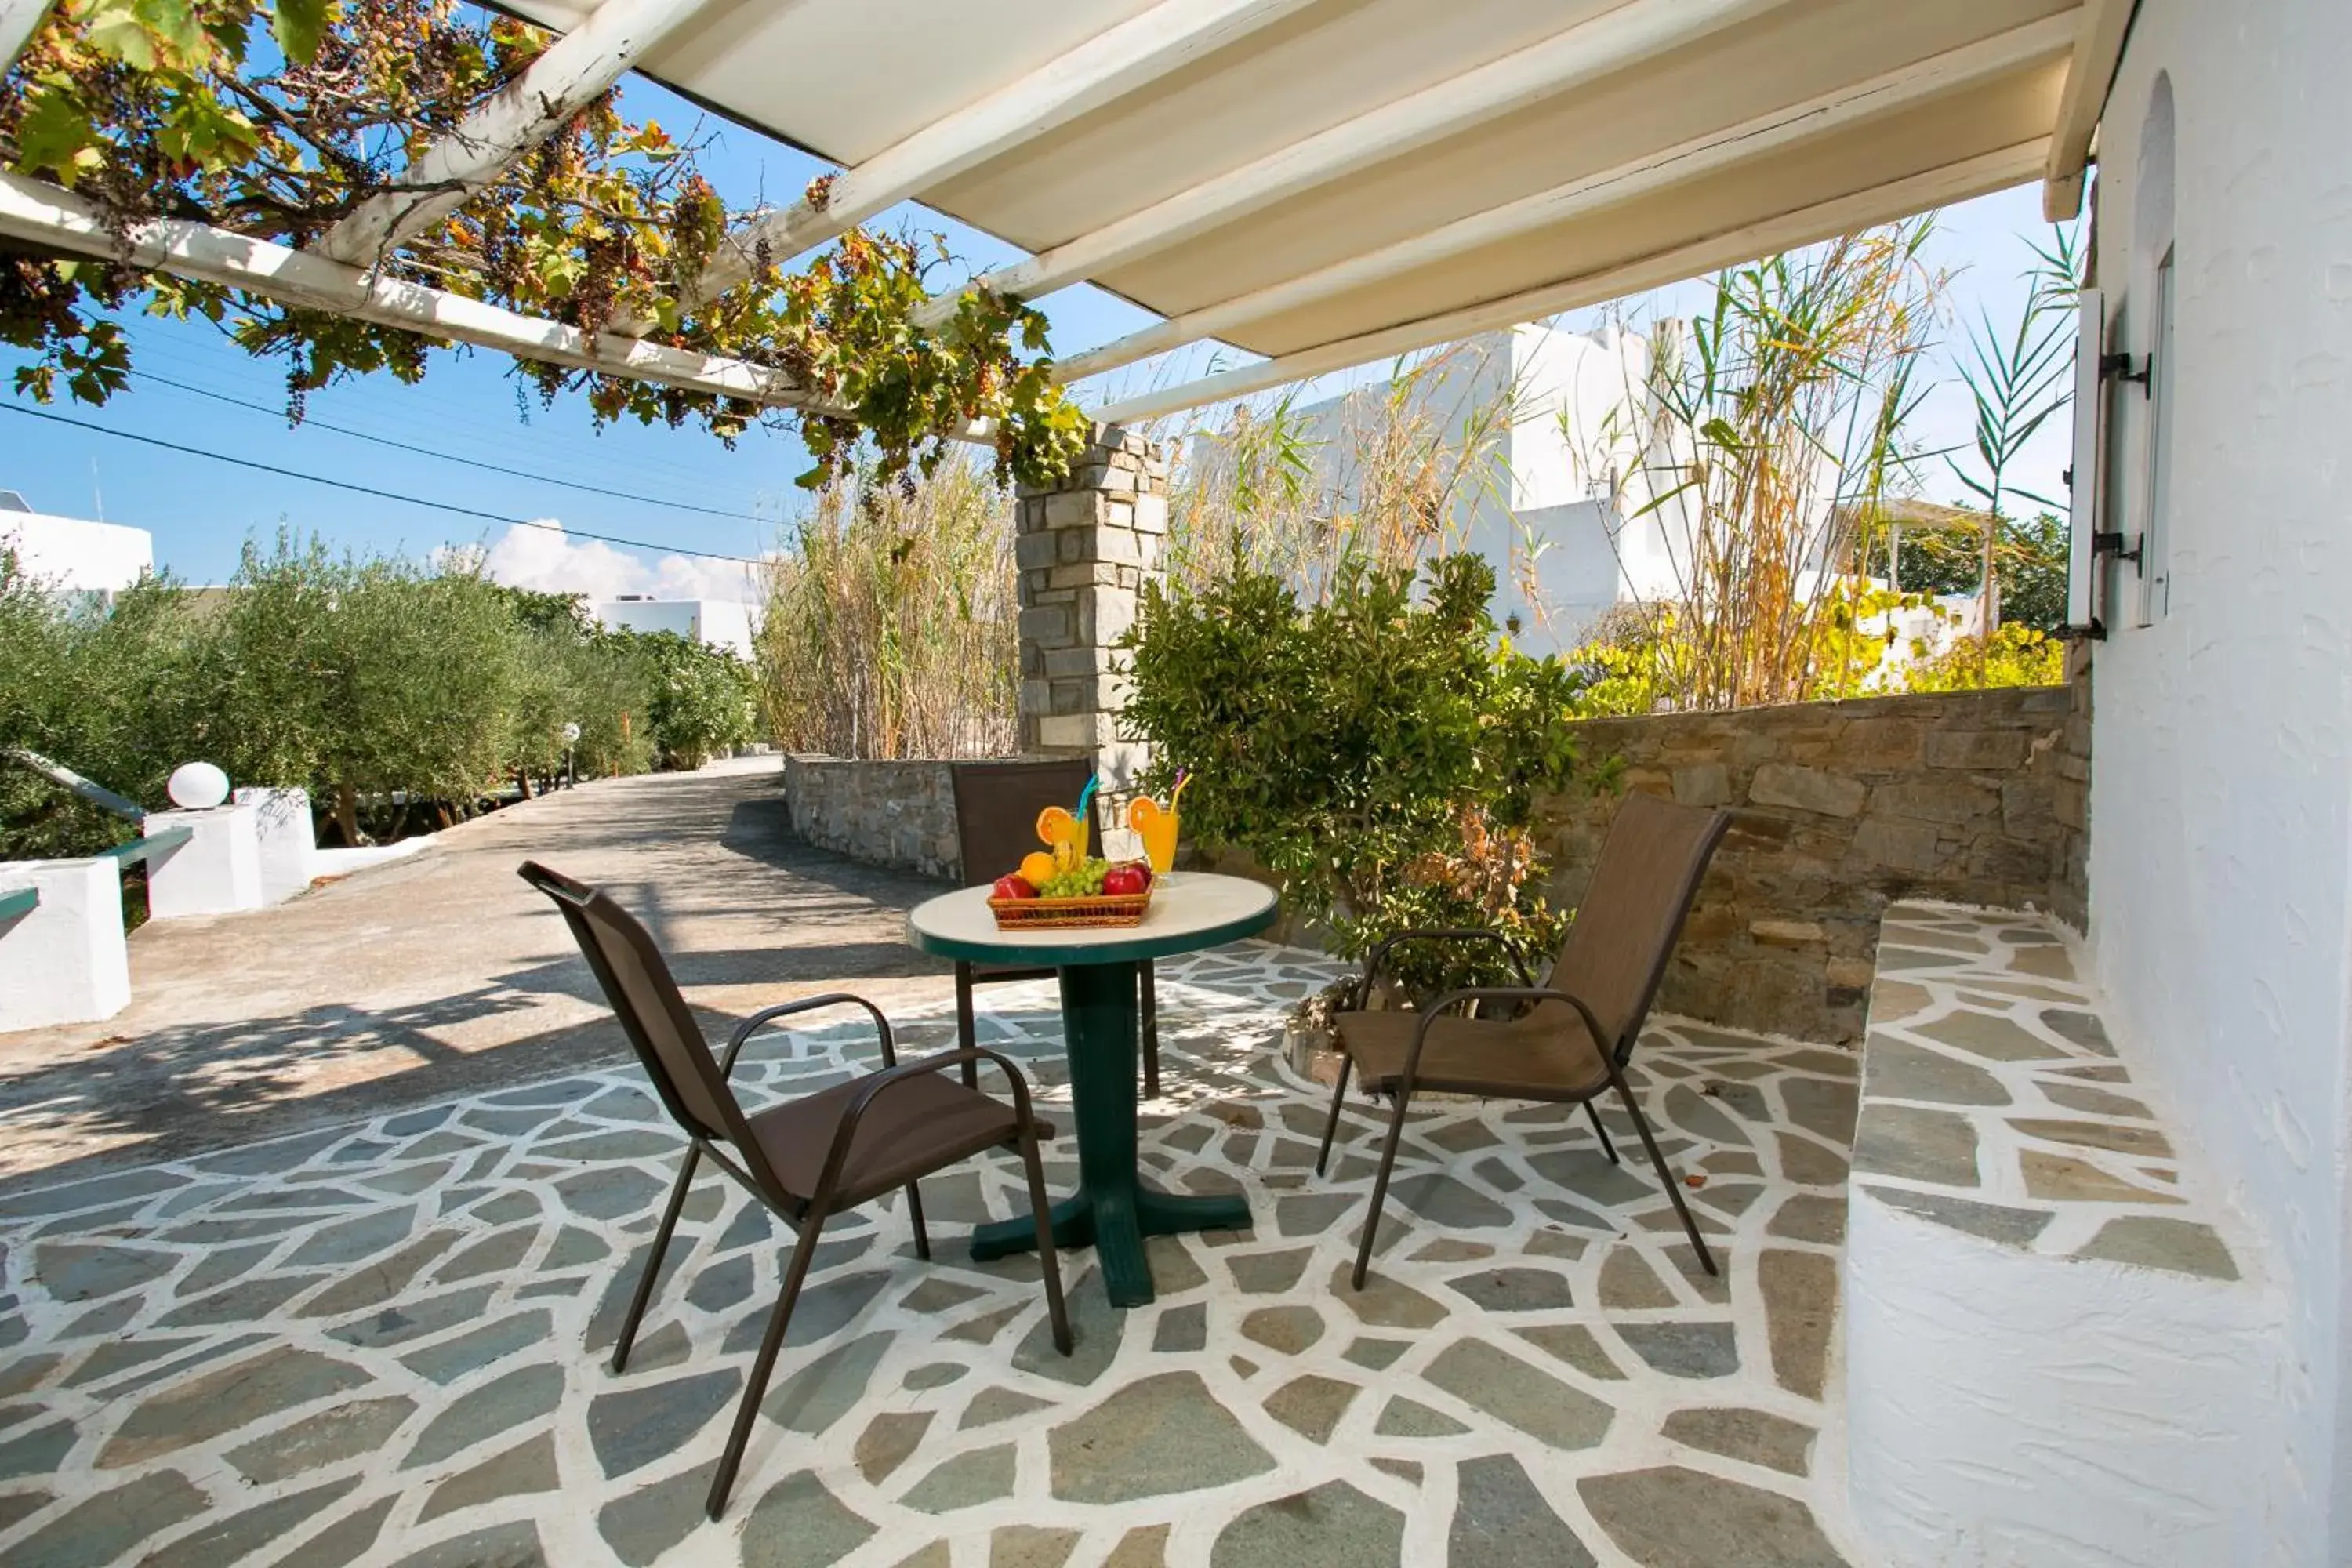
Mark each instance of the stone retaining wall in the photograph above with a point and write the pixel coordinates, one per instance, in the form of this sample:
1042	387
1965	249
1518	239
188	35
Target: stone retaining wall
884	813
1842	808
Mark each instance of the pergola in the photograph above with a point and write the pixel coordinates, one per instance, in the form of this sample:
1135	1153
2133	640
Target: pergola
1320	183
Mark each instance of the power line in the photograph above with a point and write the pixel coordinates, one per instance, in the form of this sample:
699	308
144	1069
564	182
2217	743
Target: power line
452	456
428	422
370	491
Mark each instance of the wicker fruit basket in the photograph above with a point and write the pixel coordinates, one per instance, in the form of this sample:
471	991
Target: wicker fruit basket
1102	913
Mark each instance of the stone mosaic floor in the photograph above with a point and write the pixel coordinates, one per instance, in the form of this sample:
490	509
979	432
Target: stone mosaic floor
1994	1104
383	1344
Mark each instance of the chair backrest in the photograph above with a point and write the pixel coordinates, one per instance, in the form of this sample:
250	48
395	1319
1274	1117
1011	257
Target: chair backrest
1632	912
637	981
997	805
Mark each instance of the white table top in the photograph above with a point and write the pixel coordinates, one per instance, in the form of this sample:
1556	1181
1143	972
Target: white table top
1196	910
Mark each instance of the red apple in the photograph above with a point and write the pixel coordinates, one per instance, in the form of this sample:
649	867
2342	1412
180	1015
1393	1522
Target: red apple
1125	881
1012	887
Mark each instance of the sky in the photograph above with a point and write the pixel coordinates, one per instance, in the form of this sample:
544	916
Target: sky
675	489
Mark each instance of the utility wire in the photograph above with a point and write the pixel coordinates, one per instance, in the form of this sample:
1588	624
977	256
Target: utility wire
452	456
436	423
370	491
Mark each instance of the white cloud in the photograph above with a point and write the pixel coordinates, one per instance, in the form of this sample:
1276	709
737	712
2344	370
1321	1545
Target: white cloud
550	560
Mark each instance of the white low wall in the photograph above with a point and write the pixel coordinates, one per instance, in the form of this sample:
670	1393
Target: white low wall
66	961
2063	1349
2008	1410
287	841
343	862
217	871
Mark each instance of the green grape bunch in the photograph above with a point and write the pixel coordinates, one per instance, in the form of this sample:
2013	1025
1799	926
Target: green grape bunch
1084	880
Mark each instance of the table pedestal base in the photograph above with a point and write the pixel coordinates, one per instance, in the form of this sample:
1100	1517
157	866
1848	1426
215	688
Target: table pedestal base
1115	1226
1112	1210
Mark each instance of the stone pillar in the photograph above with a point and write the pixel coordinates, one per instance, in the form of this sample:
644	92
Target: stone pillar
1084	552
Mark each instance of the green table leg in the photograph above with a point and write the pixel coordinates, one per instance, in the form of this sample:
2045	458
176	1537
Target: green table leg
1112	1210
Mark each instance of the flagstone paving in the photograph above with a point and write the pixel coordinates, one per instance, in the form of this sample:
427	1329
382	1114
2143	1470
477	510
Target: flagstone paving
1994	1104
386	1342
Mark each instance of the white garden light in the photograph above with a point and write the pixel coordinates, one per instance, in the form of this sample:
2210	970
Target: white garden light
197	787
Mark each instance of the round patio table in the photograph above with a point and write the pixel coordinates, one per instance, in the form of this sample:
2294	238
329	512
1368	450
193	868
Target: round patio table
1113	1208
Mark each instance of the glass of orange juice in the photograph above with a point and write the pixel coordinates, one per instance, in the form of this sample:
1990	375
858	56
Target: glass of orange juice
1155	824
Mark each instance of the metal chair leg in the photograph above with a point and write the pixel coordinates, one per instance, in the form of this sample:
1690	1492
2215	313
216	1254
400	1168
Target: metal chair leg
1338	1099
1666	1176
1606	1147
653	1259
1380	1188
803	1248
1149	1026
967	1031
915	1212
1055	1308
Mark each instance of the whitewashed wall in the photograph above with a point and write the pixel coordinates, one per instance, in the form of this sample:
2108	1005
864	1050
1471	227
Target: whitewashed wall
2221	801
1540	510
78	555
722	622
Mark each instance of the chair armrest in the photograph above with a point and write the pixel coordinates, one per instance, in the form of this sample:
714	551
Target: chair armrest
766	1016
1453	999
844	1133
1433	933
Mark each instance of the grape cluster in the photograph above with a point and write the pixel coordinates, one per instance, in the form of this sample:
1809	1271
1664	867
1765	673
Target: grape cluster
1083	880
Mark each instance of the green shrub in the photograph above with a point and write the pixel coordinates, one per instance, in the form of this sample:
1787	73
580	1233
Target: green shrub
701	698
358	679
1380	751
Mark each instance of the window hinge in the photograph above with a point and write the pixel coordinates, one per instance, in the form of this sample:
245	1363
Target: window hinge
2118	367
2113	544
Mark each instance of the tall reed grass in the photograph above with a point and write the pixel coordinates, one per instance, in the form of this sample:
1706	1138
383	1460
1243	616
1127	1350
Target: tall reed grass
1765	434
891	628
1391	476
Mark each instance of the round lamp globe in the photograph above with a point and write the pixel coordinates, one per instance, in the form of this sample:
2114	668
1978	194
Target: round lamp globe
197	787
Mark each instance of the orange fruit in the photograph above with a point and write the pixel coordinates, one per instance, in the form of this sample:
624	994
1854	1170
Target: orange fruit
1036	868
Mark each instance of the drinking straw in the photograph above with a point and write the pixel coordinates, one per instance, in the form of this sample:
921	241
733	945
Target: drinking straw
1183	778
1086	794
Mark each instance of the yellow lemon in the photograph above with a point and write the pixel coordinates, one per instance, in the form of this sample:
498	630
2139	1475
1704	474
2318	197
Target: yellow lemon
1036	869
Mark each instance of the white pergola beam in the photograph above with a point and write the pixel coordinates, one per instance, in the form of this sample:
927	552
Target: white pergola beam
1762	137
1881	204
40	213
576	70
1101	71
1591	49
2101	27
19	20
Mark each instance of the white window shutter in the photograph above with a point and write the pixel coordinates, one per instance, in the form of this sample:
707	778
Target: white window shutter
2090	461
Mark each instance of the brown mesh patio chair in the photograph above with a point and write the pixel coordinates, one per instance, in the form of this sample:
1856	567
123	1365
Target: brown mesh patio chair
807	1159
1564	1042
996	823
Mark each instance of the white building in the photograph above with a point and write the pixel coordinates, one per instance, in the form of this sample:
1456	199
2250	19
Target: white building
722	622
2221	916
71	553
1553	494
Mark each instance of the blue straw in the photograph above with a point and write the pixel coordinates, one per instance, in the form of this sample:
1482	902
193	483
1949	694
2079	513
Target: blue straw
1086	794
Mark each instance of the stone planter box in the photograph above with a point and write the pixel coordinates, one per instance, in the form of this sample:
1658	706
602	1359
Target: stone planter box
1310	1052
1314	1055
